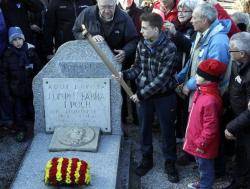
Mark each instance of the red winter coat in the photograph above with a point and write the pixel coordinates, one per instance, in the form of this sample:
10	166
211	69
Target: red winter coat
222	14
172	16
203	125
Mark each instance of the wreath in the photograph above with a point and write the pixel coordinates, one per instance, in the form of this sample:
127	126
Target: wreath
67	171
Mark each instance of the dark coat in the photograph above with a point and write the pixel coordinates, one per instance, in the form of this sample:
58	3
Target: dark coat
240	123
16	14
3	33
134	12
15	77
120	35
59	21
239	88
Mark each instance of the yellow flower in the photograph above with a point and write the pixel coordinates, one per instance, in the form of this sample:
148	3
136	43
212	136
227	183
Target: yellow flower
77	174
68	181
47	169
59	169
87	176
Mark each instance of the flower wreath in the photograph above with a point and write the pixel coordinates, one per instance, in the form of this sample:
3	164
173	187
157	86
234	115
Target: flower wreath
67	171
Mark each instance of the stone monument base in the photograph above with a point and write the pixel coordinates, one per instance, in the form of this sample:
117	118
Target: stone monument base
103	164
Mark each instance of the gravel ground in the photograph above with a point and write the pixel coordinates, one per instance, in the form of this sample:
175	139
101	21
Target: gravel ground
11	155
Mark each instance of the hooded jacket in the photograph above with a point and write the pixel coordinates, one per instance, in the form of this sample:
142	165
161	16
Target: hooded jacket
203	124
214	44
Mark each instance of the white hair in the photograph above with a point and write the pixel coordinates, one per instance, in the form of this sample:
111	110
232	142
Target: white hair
212	2
187	3
240	17
242	41
206	11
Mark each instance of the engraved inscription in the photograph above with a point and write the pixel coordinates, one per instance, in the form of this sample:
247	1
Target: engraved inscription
77	102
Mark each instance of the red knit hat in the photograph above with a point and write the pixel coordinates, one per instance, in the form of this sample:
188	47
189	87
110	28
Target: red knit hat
211	69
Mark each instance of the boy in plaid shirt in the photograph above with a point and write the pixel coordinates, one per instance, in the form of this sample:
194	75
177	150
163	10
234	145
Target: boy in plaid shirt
153	72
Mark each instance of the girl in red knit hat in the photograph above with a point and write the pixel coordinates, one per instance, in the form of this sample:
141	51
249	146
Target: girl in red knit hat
202	133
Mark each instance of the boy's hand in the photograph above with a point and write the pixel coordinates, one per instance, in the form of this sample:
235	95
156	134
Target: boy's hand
98	38
135	98
229	135
120	56
84	30
119	77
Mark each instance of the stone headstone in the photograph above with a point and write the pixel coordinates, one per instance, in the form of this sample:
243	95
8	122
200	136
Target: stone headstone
74	61
77	102
77	59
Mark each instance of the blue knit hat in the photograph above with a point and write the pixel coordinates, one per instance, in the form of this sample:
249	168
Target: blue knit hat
15	32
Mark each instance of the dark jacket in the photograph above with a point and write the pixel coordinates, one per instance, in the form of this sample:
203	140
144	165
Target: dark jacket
16	14
60	18
154	68
16	74
120	35
134	12
240	123
239	88
3	33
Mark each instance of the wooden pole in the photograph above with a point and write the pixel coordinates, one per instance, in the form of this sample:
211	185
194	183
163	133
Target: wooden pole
109	64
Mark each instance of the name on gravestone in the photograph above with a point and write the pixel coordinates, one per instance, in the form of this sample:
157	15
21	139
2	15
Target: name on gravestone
77	102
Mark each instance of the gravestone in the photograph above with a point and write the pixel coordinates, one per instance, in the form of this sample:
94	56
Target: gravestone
77	67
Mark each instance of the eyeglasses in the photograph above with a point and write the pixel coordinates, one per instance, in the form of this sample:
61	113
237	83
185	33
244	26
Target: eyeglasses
234	51
107	7
183	11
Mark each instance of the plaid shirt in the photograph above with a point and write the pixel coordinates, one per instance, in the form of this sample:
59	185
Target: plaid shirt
154	68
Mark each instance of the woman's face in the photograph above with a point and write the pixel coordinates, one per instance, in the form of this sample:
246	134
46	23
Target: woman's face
184	14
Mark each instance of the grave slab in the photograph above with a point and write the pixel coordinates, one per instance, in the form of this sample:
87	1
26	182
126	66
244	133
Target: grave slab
103	167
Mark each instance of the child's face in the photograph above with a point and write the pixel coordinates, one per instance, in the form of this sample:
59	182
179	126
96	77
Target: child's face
18	42
148	32
199	79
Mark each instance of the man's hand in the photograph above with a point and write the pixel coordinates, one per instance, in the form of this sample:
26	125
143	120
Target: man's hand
185	90
134	98
120	57
84	30
248	105
119	77
229	135
98	38
35	28
170	27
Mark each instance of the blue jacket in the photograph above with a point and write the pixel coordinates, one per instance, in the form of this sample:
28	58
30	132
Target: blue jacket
3	33
214	45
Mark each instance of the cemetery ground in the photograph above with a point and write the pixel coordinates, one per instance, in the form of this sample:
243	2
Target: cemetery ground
12	153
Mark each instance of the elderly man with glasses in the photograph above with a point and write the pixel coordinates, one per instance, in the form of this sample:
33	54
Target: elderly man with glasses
239	91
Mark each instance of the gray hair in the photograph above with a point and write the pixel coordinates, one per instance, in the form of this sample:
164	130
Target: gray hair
187	3
206	11
242	41
240	17
212	2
